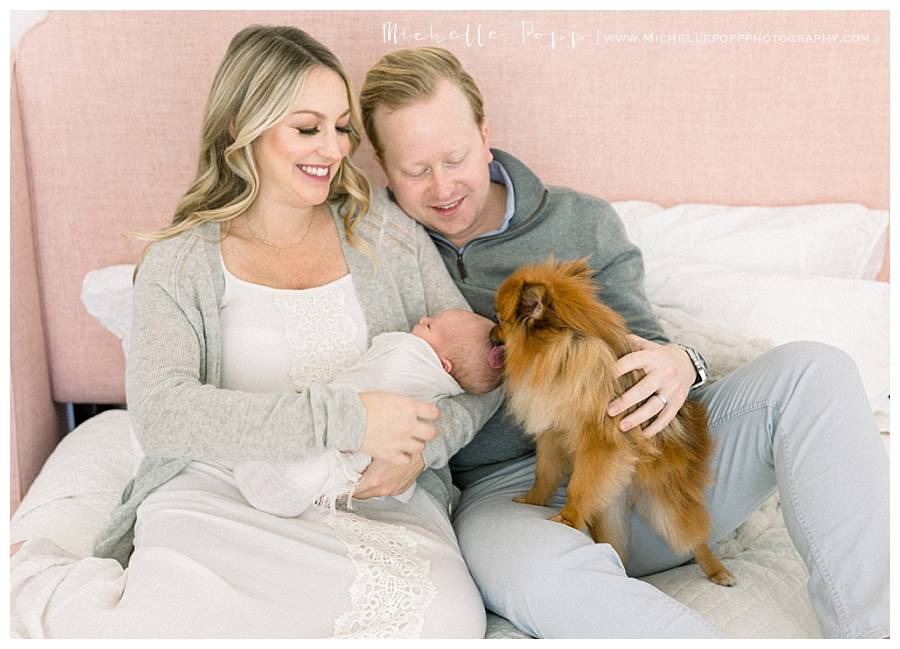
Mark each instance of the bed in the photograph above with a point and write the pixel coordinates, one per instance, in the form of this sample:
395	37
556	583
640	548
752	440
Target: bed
757	229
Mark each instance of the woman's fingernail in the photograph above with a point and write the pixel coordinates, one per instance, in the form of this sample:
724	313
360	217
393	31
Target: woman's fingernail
626	424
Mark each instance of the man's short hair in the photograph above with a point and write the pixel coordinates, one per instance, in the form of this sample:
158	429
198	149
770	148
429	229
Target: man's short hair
403	77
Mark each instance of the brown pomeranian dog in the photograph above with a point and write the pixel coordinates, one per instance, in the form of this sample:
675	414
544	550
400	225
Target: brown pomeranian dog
560	347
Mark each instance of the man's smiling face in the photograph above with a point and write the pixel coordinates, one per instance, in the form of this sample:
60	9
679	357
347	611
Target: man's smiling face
436	160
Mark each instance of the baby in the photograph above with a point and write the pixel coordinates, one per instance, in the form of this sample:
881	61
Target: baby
442	356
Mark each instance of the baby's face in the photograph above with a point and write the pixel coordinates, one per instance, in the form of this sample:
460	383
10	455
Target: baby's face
439	331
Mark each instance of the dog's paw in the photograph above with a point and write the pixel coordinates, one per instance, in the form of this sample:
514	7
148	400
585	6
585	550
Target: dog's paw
723	577
527	499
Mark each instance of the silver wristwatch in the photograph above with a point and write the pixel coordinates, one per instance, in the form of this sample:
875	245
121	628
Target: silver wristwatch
699	365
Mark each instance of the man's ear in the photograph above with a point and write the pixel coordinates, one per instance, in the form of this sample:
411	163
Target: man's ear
448	366
486	139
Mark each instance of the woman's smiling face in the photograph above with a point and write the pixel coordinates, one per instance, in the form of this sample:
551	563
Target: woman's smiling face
298	157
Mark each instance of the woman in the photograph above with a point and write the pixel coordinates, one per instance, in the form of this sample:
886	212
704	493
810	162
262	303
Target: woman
274	275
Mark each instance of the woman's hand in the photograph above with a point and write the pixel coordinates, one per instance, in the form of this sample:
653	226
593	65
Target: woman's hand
669	372
397	427
383	478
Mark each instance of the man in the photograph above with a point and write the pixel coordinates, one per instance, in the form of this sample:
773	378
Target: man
797	418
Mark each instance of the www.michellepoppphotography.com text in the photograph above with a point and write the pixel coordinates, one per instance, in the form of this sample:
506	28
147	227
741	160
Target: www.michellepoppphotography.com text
531	33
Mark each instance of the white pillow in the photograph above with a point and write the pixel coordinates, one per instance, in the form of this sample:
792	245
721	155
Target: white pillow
851	314
107	294
631	210
832	240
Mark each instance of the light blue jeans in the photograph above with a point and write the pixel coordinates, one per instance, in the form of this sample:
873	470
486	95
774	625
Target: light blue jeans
796	419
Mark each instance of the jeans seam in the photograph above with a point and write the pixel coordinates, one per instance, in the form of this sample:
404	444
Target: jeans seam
838	605
755	405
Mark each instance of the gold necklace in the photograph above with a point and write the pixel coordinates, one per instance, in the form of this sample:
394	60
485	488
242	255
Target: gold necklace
272	245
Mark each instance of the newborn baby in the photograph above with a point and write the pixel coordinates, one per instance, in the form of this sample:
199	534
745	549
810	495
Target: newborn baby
442	356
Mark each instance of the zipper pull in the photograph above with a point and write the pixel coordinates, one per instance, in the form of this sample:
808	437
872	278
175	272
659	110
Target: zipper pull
460	266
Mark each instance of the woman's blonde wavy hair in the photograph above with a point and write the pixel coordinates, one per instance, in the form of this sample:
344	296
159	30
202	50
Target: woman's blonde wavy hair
256	85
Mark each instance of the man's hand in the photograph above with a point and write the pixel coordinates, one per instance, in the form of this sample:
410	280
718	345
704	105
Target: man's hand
668	372
384	478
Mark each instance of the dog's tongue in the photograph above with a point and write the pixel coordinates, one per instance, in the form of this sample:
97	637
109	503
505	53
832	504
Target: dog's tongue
495	359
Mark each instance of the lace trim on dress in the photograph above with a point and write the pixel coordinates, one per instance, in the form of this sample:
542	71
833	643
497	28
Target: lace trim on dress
392	587
320	331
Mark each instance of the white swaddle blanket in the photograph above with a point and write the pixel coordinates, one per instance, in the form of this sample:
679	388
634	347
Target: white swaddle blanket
395	362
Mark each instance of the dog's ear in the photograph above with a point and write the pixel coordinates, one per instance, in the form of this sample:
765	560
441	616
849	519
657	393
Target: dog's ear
532	302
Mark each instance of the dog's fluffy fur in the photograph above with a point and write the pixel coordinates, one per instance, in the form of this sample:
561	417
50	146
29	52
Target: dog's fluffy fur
561	347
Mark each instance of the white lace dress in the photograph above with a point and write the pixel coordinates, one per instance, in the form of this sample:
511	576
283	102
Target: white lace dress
383	570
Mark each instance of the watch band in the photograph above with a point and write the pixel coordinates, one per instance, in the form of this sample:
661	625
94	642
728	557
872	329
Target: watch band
699	365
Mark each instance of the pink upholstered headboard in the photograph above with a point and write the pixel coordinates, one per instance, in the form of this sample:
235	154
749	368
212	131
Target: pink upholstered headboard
671	107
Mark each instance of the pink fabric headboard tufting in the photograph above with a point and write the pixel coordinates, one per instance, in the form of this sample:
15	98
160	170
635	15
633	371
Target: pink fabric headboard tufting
657	106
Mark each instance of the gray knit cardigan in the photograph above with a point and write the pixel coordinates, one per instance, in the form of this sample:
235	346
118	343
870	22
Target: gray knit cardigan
178	411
